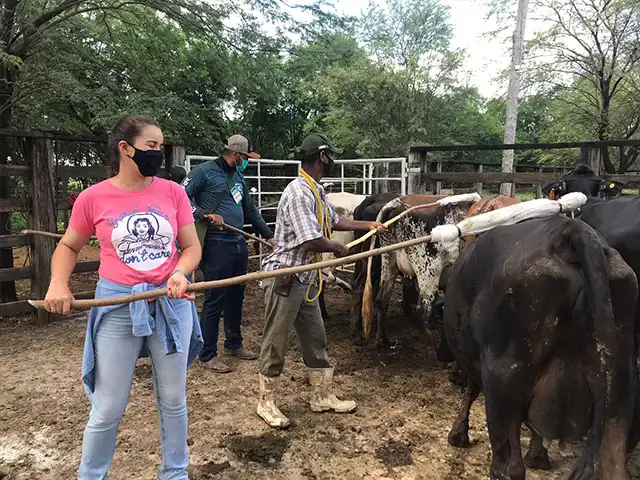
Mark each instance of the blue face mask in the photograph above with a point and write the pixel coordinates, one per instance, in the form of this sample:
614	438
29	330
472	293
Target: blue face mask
245	162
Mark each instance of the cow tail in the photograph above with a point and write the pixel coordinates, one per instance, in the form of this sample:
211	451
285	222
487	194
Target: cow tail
595	273
367	297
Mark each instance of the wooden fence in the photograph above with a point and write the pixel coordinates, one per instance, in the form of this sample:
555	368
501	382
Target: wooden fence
426	166
42	171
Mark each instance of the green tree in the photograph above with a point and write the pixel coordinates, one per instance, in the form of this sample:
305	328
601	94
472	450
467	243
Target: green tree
591	58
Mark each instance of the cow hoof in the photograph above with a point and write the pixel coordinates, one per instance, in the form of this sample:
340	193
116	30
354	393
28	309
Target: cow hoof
459	439
457	378
537	460
360	341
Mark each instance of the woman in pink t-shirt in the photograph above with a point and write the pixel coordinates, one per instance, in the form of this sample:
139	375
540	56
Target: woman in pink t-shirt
137	219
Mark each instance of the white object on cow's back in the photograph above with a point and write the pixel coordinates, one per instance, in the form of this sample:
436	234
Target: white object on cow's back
465	197
572	201
507	216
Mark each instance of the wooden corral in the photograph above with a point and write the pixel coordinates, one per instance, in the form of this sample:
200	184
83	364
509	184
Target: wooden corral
426	166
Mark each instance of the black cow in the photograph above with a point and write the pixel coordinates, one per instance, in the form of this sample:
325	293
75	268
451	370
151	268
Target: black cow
541	316
580	179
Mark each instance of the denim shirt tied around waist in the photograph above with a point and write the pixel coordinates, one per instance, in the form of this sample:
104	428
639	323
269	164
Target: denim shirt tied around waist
164	322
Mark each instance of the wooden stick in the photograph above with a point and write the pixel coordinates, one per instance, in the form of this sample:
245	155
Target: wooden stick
242	279
48	234
388	223
227	227
248	235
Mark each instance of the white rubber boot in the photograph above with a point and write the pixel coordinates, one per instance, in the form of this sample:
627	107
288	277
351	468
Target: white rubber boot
267	409
322	398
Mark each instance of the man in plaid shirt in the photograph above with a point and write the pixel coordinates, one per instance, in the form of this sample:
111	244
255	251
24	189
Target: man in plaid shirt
299	239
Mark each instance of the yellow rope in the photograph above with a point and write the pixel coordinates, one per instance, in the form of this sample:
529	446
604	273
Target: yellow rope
322	214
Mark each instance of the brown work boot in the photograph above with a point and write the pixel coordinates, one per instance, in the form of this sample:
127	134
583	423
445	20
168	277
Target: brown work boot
241	353
216	365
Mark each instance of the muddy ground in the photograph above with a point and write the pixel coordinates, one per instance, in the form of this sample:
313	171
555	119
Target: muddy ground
399	431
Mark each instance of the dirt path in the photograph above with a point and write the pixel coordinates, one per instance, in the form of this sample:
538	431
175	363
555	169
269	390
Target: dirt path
406	405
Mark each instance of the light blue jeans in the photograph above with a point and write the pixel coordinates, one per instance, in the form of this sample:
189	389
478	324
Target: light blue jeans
117	350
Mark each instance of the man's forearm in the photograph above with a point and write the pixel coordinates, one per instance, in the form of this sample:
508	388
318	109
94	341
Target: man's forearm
320	245
347	225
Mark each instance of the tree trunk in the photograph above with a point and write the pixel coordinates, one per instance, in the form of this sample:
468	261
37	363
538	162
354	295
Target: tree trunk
512	95
603	128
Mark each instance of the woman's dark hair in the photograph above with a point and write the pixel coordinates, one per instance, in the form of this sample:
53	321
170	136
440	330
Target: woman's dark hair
127	129
151	231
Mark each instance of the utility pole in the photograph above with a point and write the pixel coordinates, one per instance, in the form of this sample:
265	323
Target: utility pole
512	95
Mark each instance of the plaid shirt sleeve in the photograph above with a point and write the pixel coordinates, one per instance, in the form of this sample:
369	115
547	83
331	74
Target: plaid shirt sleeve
302	216
333	215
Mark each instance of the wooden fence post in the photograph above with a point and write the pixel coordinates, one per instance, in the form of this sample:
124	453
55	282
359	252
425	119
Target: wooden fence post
64	195
592	157
435	186
539	186
478	185
42	216
417	165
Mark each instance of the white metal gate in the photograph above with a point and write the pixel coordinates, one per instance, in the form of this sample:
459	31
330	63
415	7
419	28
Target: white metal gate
368	179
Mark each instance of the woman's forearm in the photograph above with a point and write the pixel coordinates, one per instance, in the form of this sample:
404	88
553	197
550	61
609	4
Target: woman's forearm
190	259
63	262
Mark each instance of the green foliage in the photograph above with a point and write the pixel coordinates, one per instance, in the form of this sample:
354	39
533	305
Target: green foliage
376	84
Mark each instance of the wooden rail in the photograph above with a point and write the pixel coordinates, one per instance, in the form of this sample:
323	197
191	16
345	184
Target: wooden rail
426	173
518	178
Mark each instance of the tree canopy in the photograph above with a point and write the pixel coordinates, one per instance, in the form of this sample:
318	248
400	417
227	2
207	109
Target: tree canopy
275	71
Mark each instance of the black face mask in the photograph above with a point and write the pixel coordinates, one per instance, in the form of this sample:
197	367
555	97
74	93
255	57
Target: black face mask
148	161
327	168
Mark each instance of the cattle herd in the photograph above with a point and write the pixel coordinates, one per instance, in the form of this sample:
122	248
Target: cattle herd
541	316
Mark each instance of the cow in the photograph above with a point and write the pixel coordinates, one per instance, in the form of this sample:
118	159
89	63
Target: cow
580	179
617	220
443	354
612	189
583	179
368	210
345	205
424	262
540	315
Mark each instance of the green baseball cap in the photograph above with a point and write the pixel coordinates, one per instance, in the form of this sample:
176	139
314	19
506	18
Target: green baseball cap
314	143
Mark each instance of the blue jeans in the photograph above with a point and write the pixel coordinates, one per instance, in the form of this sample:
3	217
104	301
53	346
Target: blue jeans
116	351
222	260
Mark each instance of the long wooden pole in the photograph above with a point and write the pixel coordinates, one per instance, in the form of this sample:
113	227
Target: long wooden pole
248	235
388	223
242	279
225	226
47	234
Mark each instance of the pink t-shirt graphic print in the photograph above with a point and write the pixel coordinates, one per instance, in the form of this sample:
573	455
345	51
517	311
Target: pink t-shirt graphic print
136	229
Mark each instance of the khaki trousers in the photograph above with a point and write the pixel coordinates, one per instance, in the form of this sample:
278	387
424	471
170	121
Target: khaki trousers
282	313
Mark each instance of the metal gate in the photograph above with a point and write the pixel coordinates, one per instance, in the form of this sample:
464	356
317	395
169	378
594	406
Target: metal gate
266	179
359	175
